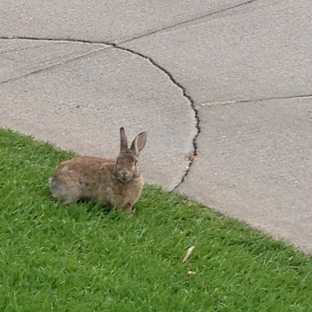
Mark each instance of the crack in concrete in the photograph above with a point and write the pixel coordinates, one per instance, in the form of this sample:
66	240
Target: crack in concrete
231	102
24	48
153	62
56	40
185	94
185	22
50	66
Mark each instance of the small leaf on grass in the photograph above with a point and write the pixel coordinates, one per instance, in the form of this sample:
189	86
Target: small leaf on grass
188	254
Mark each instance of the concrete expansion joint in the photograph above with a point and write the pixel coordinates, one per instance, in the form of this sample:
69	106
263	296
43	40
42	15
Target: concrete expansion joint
255	100
153	62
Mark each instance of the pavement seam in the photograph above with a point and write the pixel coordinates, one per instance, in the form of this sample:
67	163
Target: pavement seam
148	33
232	102
153	62
56	40
185	22
24	48
52	66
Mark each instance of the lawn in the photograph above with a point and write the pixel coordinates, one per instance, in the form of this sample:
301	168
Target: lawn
82	258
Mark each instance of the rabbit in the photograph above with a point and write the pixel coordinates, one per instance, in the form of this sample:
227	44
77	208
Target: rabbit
117	183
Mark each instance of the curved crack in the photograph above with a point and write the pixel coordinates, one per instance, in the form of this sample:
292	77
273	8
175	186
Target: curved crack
154	63
185	94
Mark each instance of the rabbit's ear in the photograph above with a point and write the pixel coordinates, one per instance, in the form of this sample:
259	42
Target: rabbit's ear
123	140
139	143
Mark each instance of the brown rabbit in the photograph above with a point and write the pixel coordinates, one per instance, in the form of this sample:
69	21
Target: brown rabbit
116	183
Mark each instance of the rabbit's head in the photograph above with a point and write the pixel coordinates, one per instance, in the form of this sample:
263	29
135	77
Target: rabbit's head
126	168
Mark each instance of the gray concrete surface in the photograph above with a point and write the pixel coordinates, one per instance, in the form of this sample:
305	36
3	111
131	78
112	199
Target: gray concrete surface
80	104
255	160
240	72
257	51
114	20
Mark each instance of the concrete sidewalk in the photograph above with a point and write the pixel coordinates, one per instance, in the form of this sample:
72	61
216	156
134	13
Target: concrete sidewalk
228	81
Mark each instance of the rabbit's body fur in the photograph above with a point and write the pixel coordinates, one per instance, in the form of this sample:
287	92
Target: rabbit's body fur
116	183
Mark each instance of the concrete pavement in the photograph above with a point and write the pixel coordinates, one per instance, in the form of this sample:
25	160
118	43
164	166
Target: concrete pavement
227	80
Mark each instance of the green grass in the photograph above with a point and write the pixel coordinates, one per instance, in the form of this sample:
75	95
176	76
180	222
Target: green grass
54	258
